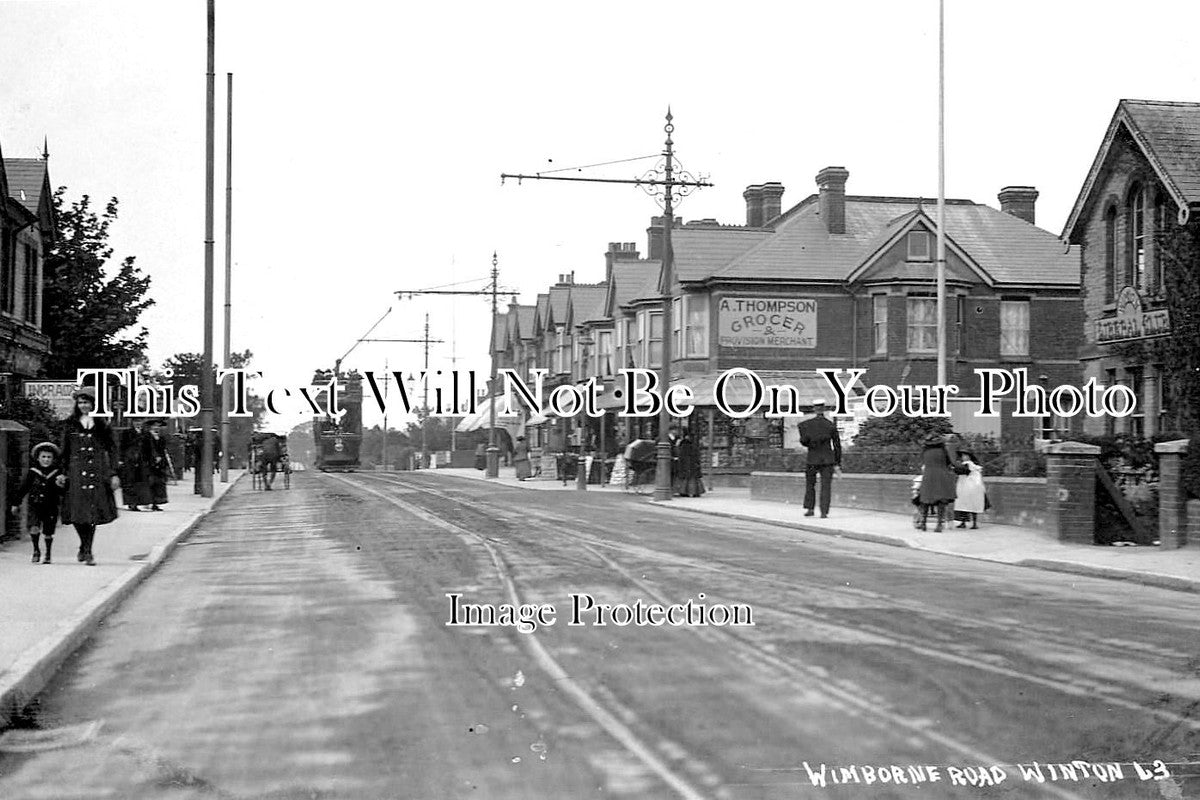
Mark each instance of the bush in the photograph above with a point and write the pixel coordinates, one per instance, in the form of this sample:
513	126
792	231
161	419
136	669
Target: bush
899	429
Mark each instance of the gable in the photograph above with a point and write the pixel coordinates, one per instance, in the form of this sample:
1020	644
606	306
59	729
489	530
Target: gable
1166	135
890	260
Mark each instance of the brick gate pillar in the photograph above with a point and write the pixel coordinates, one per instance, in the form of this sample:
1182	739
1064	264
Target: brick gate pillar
1071	491
1172	513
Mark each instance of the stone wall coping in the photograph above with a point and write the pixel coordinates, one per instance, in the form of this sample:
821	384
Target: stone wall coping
1072	449
1176	446
889	477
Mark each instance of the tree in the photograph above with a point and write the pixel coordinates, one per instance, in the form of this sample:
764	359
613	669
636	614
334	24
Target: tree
185	370
86	310
1180	249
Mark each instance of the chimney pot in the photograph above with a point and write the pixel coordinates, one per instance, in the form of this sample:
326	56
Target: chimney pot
831	186
1019	201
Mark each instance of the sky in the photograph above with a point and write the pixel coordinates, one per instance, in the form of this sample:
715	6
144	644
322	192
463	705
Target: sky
369	138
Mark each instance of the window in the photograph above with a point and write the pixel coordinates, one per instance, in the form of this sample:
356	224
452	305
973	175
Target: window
1162	220
654	341
1135	271
677	328
880	302
1110	379
1014	328
1164	399
922	325
918	246
6	269
1110	254
1134	379
697	326
31	284
605	353
561	363
629	357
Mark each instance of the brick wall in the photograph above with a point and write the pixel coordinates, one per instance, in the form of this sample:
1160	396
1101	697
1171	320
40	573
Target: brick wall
1015	501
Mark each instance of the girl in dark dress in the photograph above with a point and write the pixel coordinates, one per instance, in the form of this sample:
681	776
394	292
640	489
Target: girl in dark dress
90	479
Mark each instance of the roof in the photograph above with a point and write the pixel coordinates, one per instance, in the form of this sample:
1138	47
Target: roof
559	303
539	310
587	302
1005	248
499	328
632	281
26	178
525	317
1168	134
701	250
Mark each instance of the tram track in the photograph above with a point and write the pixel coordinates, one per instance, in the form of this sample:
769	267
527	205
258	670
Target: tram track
792	606
619	723
845	696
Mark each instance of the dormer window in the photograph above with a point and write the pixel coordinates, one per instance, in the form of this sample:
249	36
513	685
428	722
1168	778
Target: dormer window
918	246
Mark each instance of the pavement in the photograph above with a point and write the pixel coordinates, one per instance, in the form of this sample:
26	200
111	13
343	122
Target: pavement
1177	569
50	610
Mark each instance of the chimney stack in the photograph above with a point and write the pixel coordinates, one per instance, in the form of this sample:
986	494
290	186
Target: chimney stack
1019	201
754	205
654	236
772	201
619	251
831	185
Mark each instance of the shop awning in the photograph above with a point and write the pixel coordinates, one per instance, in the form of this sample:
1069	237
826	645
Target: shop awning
739	391
482	418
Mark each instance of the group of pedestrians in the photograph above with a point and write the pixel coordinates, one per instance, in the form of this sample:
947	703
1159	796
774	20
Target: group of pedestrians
146	468
949	477
77	482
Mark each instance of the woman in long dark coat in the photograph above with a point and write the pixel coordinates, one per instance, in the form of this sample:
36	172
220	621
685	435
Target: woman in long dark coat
688	475
938	479
90	466
156	464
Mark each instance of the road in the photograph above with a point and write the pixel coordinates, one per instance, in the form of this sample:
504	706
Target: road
296	646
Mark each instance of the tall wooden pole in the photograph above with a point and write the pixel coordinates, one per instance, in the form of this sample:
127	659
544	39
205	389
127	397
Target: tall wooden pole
228	390
941	204
205	462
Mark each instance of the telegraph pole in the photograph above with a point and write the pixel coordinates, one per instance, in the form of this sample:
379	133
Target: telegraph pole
670	185
227	390
205	464
941	204
493	452
387	376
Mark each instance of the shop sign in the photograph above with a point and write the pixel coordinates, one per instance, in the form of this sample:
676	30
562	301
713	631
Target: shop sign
1131	321
56	393
767	322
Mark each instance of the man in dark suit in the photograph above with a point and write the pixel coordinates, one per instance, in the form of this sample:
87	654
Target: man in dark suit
820	436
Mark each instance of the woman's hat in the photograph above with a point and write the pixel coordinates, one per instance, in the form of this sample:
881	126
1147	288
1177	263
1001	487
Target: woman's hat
968	454
38	448
88	393
934	439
